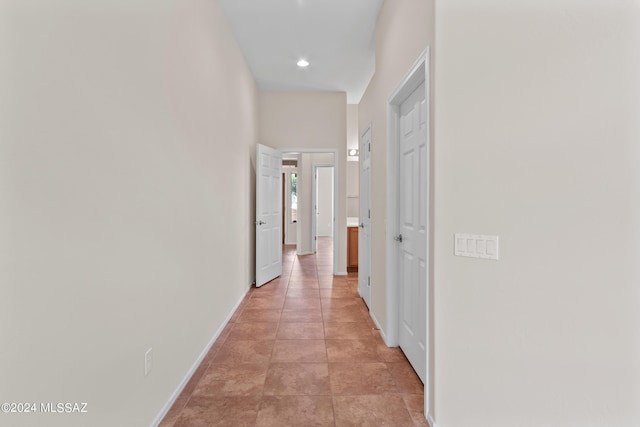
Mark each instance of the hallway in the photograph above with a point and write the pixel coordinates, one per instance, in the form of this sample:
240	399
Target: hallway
301	350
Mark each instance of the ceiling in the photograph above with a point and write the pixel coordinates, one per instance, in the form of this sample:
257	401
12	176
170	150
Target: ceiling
335	36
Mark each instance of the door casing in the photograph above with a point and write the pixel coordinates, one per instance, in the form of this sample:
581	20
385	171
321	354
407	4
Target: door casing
364	247
419	73
337	233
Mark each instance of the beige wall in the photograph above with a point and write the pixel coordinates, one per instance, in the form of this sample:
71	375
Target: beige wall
402	34
353	170
310	121
353	137
537	141
353	189
124	160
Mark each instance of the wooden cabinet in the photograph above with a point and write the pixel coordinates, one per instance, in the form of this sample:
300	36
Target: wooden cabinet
352	249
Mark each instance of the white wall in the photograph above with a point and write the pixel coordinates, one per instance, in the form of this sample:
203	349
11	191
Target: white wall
124	160
324	195
310	121
537	140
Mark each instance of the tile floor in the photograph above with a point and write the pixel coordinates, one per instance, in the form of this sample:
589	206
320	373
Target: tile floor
302	351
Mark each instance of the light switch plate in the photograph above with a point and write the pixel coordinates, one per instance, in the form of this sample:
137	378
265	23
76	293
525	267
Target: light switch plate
476	246
148	359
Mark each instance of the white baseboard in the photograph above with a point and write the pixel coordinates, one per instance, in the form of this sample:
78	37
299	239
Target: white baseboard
375	321
165	409
340	273
431	422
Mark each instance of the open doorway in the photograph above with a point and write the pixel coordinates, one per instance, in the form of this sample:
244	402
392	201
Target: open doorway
290	198
310	200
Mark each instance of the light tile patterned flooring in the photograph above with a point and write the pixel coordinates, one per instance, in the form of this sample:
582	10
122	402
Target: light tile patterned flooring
302	351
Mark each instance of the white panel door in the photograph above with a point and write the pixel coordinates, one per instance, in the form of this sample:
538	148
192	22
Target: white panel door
268	214
364	235
412	241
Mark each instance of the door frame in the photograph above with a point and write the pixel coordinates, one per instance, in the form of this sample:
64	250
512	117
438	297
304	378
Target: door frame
314	200
418	73
337	232
287	200
367	250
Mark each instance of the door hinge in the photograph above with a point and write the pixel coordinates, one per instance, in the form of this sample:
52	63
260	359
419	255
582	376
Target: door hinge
369	281
369	213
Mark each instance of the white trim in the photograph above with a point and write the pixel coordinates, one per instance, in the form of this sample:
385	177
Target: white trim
431	421
167	406
375	322
419	73
392	220
336	198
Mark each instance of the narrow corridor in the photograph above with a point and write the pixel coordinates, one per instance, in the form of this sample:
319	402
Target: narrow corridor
300	351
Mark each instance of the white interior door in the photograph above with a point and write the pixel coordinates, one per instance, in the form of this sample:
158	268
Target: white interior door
364	234
268	214
412	240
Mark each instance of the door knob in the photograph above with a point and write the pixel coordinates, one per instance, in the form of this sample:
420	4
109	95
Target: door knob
398	238
260	222
362	225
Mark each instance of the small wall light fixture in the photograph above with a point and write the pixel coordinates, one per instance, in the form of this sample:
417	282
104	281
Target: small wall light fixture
303	63
352	152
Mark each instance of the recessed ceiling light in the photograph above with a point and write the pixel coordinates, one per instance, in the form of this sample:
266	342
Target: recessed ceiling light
303	63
